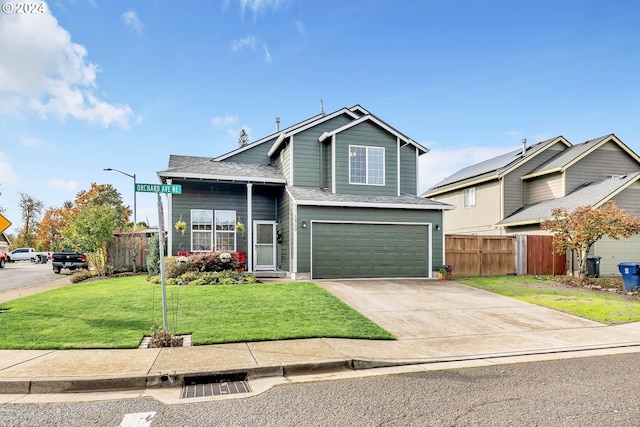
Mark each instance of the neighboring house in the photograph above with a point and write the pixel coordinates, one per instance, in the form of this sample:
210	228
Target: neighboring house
515	192
334	196
4	243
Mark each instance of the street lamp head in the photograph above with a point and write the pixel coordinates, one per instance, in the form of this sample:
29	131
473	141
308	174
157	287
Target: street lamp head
107	169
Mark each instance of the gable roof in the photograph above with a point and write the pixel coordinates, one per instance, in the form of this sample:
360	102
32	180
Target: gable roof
312	196
354	112
377	121
594	194
358	114
492	168
575	153
191	167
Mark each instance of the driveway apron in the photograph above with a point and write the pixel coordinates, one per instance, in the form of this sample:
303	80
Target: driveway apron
413	309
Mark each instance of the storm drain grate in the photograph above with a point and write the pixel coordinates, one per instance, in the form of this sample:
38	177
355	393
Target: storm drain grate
212	386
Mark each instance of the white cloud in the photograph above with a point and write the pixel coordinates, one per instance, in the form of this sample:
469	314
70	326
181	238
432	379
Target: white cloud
267	54
438	164
300	28
223	121
43	71
248	41
8	175
130	19
61	184
258	6
31	141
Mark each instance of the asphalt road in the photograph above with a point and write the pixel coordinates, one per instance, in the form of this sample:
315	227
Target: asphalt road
25	274
595	391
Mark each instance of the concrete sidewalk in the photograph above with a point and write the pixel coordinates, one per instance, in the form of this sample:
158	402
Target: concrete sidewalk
435	322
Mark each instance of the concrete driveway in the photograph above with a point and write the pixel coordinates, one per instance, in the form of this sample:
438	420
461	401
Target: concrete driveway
432	309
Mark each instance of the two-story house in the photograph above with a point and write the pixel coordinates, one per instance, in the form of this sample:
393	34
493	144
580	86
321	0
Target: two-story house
513	193
334	196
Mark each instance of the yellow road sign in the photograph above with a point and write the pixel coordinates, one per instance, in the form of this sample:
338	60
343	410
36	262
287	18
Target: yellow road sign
4	223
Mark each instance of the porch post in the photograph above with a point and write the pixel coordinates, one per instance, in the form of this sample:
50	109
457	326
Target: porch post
249	227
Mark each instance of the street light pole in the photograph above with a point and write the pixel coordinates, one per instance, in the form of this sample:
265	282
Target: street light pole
135	219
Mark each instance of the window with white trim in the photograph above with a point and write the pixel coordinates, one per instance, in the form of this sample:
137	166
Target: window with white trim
366	165
470	197
201	230
225	230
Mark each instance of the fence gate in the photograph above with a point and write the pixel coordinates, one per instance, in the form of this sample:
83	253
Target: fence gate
480	255
542	257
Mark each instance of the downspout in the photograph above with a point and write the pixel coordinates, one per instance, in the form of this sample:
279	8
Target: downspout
333	163
398	164
249	226
294	252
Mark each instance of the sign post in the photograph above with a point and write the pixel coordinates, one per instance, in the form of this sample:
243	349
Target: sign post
166	189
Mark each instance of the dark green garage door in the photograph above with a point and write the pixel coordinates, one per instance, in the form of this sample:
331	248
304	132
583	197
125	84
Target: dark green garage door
348	250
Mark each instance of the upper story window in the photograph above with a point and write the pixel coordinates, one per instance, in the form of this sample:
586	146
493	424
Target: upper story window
366	165
470	197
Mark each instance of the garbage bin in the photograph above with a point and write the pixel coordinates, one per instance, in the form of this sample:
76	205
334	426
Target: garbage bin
630	275
593	266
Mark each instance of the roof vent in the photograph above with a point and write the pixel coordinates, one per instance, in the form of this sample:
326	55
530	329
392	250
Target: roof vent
277	124
524	146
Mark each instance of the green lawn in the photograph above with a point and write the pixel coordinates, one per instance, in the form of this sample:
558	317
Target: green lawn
117	312
601	307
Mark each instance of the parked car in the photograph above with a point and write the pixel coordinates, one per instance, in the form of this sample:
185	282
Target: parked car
4	258
68	259
28	254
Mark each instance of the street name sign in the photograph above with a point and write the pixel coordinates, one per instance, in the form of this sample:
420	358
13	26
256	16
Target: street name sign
159	188
4	223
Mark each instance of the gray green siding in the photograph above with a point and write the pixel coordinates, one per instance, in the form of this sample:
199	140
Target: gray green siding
284	231
408	172
306	153
366	134
309	213
254	154
219	196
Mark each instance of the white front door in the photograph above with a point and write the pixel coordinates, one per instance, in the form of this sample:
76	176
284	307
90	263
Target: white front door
264	245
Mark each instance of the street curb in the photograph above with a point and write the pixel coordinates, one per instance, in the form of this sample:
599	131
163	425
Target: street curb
158	380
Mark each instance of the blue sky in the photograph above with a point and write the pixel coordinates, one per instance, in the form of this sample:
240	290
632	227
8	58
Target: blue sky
87	85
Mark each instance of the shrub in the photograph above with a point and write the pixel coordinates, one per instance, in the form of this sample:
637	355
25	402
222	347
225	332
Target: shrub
164	338
153	259
213	261
80	276
176	266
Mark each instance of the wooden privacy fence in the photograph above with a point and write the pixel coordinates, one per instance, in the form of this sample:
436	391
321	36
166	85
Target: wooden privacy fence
128	248
542	257
480	255
472	255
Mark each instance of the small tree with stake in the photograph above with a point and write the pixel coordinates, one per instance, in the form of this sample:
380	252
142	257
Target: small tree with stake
585	225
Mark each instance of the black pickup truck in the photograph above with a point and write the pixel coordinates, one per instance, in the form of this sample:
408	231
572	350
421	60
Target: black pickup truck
68	259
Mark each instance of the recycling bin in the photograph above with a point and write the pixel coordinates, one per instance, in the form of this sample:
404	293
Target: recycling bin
593	266
630	275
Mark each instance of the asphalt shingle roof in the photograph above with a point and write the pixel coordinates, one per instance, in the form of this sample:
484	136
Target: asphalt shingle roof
590	194
207	168
494	166
567	156
324	197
